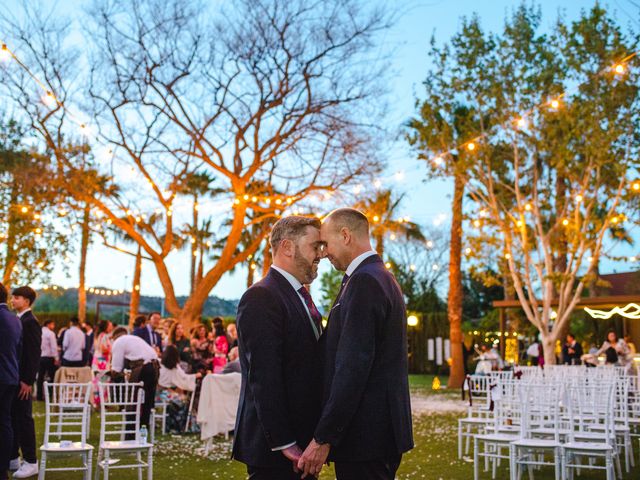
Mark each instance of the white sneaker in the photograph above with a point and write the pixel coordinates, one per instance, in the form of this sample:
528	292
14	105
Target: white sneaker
14	464
26	470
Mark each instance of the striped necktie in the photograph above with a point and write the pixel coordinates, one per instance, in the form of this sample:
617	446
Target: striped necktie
313	311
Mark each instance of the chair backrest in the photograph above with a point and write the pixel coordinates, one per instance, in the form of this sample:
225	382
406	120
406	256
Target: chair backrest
478	387
66	411
592	403
73	375
540	404
120	408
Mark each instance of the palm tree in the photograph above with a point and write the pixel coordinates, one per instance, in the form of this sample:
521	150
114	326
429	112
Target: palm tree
381	211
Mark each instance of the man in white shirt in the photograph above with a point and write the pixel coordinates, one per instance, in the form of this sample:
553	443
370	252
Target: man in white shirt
48	356
130	351
73	345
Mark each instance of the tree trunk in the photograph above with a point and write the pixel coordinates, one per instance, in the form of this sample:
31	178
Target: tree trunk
454	302
84	246
549	348
194	245
11	258
267	259
379	239
134	304
250	274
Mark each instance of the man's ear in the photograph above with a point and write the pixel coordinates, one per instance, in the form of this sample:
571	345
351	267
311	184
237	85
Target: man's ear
287	246
346	235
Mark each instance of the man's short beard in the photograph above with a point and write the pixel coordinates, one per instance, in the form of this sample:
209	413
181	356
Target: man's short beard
305	268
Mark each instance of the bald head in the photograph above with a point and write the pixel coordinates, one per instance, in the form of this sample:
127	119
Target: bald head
345	233
354	220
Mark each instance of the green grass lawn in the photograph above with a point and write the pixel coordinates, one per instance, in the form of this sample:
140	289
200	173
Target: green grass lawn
434	457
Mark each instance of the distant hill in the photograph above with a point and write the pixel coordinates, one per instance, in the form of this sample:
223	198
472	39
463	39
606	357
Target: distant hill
66	300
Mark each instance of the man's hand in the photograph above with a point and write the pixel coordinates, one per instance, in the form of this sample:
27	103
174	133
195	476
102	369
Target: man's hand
25	391
313	458
293	453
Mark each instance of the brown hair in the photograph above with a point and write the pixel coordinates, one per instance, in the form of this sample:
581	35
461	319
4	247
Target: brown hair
290	228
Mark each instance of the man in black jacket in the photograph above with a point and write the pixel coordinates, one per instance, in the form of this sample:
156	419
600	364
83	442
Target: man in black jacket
10	338
365	425
24	433
278	331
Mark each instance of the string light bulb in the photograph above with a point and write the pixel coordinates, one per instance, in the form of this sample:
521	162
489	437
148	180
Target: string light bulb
5	54
555	104
521	122
438	161
578	198
49	99
619	69
471	146
376	218
636	186
565	222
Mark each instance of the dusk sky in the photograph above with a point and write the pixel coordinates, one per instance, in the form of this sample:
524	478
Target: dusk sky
409	40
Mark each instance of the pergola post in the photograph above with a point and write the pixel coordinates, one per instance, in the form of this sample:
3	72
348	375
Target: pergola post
503	328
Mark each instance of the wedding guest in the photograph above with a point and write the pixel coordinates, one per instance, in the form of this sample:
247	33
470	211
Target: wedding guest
201	350
572	351
615	349
233	365
182	343
174	383
73	345
232	335
87	354
24	431
632	347
142	359
220	349
101	363
48	356
146	331
10	343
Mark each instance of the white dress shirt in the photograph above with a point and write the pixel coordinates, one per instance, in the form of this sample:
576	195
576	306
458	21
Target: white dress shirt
49	345
132	348
73	344
19	315
355	263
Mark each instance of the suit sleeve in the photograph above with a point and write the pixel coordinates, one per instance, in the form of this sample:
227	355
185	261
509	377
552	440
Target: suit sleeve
364	309
31	350
261	332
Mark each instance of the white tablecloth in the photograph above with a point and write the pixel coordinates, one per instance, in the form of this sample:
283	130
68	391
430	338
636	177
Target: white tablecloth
218	404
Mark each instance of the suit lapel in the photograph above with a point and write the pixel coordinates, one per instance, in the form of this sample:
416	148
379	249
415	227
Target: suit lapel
295	300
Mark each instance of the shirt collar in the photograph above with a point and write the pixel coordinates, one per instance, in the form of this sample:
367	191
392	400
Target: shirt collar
22	313
355	263
295	283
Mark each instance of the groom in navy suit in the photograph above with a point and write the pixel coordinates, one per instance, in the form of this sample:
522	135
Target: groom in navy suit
279	329
365	425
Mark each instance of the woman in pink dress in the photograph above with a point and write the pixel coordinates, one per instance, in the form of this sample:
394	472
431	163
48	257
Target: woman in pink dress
101	363
220	348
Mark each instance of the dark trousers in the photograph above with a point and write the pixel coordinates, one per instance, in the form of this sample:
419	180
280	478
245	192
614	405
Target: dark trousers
371	470
47	371
7	393
73	363
262	473
148	375
24	431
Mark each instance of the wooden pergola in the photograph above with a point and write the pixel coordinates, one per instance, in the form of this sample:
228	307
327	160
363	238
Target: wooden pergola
604	302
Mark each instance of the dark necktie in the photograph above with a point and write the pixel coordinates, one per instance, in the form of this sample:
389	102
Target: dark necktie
313	311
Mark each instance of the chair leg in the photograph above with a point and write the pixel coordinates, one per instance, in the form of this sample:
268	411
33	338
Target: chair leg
512	462
139	460
43	465
89	464
97	474
557	463
476	473
106	465
150	464
459	440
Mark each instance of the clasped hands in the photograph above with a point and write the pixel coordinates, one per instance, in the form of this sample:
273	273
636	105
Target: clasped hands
310	461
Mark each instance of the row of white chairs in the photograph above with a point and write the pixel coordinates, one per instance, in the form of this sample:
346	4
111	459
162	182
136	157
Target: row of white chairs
68	411
572	413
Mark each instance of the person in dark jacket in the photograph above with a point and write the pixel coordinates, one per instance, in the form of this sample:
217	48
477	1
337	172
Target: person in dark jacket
10	343
24	433
278	335
365	425
572	351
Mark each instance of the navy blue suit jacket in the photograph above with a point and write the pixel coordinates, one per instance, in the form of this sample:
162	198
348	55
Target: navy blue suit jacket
280	359
366	409
143	333
10	347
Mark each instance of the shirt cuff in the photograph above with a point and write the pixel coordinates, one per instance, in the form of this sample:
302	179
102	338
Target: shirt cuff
284	447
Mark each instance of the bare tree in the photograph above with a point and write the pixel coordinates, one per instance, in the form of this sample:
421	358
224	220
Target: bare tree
281	94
